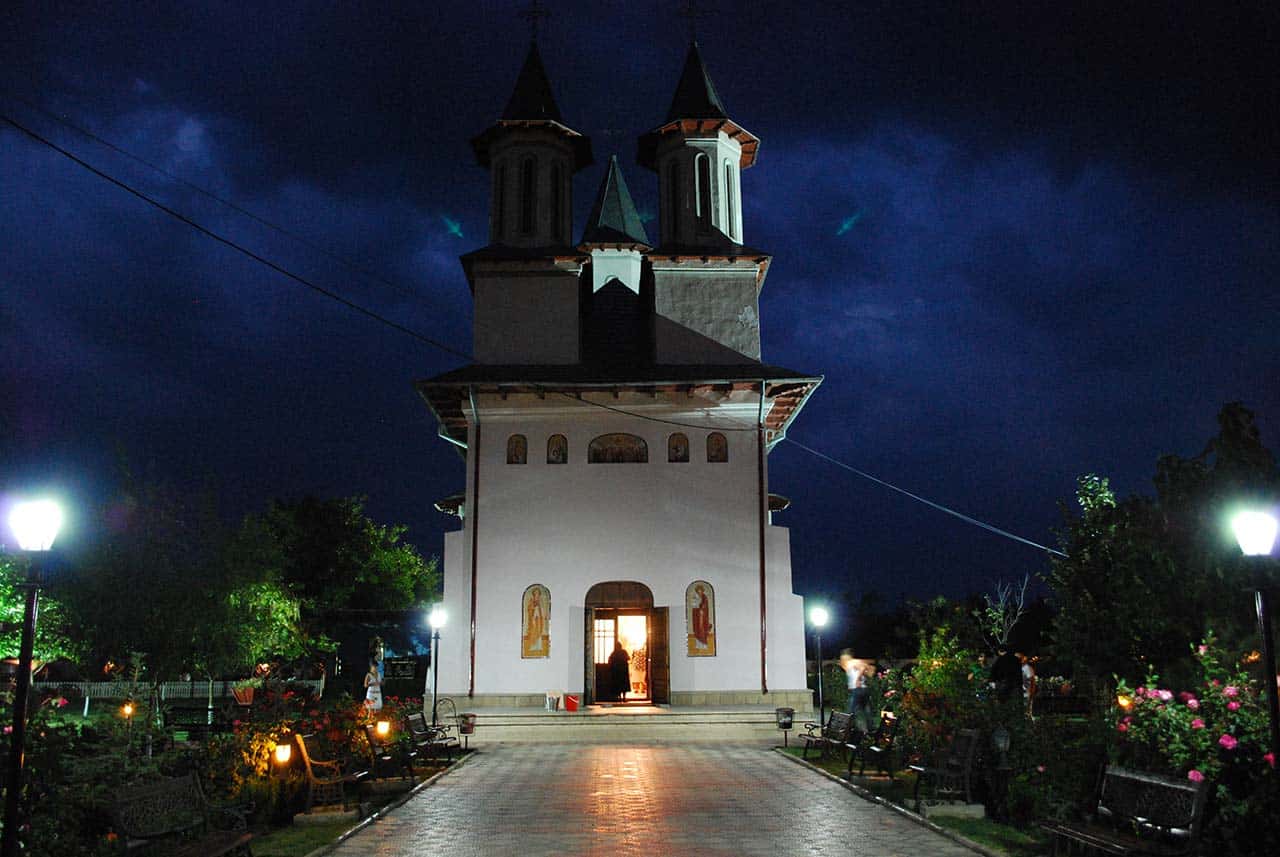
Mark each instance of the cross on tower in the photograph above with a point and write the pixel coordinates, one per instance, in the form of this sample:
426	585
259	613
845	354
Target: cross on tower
689	10
534	13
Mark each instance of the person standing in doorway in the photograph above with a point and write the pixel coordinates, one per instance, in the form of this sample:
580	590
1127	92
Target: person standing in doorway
619	672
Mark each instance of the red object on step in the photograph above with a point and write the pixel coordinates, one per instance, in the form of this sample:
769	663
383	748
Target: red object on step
570	702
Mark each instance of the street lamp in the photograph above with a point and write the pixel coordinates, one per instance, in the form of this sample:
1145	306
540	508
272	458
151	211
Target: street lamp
436	620
35	524
818	617
1255	531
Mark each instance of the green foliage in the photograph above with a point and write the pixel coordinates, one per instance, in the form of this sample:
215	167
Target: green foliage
1145	577
52	639
944	693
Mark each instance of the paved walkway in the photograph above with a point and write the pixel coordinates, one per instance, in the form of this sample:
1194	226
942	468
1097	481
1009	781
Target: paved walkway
709	800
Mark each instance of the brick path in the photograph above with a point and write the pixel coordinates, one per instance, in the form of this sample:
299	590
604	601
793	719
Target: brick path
709	800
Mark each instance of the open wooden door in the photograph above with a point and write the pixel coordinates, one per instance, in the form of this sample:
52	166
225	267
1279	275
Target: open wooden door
659	656
589	660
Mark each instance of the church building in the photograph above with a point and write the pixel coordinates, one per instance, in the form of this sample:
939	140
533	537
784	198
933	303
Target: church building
617	538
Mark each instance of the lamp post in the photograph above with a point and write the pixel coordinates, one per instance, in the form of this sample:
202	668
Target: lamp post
35	524
437	619
1255	531
818	617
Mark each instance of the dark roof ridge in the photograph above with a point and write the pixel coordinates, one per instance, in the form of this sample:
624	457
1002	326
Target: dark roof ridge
695	96
532	97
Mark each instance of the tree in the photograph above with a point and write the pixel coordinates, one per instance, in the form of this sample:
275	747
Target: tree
331	556
52	640
1145	577
1002	611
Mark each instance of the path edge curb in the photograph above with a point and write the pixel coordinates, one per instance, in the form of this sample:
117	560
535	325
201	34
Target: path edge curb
394	805
901	810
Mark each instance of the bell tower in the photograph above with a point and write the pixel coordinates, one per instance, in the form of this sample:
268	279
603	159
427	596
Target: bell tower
525	282
706	280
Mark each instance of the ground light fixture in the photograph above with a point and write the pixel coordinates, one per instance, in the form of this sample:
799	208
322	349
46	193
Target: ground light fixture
818	617
383	728
436	619
1255	532
35	524
282	753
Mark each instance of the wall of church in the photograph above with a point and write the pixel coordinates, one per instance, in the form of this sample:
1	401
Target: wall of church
532	319
720	308
570	526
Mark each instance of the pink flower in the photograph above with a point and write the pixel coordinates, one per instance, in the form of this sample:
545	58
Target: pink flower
1184	696
1233	706
8	730
1165	695
1193	704
1140	692
61	702
1270	759
1121	726
1231	690
1040	768
1216	683
1228	741
1197	723
1195	776
1204	650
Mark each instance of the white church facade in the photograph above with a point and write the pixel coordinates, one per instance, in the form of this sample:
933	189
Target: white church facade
616	425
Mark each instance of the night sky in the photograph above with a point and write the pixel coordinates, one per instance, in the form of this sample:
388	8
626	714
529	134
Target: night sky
1021	241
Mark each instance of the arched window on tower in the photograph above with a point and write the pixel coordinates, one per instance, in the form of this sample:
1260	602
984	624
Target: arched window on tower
517	449
673	201
557	203
678	448
557	449
528	195
717	448
731	218
500	202
702	193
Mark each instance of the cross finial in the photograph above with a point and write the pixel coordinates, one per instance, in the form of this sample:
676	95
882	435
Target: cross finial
689	10
534	13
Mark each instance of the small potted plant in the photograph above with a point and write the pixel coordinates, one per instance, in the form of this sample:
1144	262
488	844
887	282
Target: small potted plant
243	690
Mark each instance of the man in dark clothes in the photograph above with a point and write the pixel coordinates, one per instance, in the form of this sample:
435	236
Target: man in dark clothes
1006	674
620	672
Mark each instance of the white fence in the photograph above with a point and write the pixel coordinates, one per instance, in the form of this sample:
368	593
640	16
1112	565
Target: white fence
169	690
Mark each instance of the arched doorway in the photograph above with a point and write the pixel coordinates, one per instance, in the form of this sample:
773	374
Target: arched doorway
622	611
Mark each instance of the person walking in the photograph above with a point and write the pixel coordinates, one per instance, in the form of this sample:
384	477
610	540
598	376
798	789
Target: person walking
855	670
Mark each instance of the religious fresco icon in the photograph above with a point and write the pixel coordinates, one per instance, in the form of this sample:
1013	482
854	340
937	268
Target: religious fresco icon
557	449
717	448
517	449
700	619
535	622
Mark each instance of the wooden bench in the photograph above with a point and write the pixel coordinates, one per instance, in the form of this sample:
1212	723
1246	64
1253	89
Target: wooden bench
838	732
174	810
428	740
952	771
327	781
389	758
878	745
195	721
1137	813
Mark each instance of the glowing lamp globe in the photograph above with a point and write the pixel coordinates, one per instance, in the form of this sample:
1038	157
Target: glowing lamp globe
818	617
127	709
283	753
1255	532
35	524
437	618
382	728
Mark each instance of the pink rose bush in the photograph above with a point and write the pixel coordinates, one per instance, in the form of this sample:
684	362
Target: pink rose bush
1216	732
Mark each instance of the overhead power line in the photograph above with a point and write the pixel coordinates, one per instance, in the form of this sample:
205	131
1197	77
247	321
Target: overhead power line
434	343
966	518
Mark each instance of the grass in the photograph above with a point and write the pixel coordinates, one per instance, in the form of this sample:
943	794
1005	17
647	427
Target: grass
992	834
996	836
299	839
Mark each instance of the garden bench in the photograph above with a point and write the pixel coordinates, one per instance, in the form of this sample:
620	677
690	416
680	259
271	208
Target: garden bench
430	740
195	721
326	780
389	758
838	732
878	745
173	815
1137	813
952	772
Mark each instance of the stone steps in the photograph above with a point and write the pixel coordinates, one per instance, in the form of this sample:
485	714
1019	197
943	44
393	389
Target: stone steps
619	725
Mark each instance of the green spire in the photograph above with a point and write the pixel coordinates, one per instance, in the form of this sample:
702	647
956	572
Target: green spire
614	219
696	96
532	98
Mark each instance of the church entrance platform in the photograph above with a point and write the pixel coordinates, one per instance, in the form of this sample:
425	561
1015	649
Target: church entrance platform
621	723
